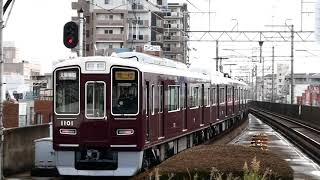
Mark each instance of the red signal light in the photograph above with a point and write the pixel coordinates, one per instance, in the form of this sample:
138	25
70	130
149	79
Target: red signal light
70	41
70	34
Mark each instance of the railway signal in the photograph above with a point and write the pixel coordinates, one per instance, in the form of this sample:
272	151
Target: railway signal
70	34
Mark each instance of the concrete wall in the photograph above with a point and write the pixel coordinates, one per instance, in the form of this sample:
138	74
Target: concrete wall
19	147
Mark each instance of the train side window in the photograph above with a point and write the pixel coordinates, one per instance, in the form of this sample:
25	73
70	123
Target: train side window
95	99
182	96
213	96
235	94
208	97
160	88
204	95
229	94
195	97
152	99
173	98
222	96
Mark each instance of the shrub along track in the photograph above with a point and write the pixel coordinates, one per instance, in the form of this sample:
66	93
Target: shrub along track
225	158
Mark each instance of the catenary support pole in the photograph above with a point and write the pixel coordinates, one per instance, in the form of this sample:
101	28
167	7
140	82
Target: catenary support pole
292	80
1	92
81	33
217	56
272	86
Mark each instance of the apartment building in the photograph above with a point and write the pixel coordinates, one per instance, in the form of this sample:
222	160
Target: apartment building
9	52
113	24
175	25
282	71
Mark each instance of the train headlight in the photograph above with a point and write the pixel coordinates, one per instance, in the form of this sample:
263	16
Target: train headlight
125	132
68	131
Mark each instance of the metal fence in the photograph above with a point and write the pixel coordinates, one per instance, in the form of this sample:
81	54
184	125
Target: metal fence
307	114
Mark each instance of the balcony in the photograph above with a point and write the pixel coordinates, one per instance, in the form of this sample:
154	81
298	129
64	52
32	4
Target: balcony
111	23
174	15
173	38
141	23
109	37
138	7
175	50
141	38
173	26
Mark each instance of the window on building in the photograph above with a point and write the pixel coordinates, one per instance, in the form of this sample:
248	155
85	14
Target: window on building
111	17
173	100
140	37
39	118
110	46
280	80
108	31
107	1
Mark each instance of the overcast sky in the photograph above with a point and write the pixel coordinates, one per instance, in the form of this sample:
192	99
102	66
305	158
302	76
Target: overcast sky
36	28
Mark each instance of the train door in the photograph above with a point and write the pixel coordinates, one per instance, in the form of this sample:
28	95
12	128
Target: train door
161	105
184	96
95	112
226	100
233	98
147	100
218	102
202	106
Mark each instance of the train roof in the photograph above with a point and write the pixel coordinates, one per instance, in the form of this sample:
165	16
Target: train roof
147	63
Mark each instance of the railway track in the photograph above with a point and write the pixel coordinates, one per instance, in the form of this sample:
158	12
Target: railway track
305	137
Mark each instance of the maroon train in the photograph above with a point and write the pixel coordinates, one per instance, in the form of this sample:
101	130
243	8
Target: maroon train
114	116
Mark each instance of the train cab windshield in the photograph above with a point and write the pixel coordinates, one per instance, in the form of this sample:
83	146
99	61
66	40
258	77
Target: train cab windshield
124	91
67	91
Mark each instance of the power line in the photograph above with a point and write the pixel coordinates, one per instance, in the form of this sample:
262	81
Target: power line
193	5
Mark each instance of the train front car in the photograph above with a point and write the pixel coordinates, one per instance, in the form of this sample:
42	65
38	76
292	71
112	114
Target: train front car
97	117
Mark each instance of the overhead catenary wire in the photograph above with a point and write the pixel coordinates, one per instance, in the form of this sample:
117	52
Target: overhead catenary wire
193	5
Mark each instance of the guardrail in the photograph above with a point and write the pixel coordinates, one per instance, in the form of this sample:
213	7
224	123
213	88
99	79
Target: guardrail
305	114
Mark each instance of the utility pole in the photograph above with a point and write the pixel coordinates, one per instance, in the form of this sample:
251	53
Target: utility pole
1	91
262	60
256	88
252	86
272	74
81	33
292	80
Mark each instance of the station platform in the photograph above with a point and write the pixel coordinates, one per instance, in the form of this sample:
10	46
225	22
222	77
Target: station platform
303	167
